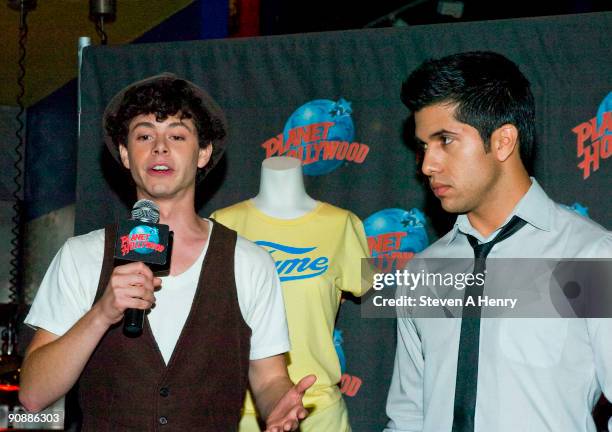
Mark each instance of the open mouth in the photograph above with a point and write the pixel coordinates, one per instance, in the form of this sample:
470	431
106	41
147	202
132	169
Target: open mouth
160	169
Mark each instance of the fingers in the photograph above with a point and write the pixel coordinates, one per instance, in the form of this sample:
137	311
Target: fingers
157	283
140	269
135	274
291	420
302	413
138	281
131	286
305	383
136	294
297	413
134	267
288	425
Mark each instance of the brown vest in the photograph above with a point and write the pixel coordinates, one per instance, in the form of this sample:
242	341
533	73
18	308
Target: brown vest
126	386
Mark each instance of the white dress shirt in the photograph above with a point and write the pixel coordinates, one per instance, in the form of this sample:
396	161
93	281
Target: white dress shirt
534	374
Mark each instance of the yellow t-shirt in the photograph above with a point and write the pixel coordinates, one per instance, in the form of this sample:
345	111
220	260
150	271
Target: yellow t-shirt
317	256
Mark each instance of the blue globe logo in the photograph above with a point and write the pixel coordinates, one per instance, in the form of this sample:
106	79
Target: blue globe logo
151	235
604	107
406	228
319	111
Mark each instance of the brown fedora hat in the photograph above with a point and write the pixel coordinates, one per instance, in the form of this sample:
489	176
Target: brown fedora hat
208	103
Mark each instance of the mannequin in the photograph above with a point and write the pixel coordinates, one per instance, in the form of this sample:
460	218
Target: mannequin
281	189
317	249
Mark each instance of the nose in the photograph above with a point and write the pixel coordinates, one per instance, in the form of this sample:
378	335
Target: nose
160	146
431	161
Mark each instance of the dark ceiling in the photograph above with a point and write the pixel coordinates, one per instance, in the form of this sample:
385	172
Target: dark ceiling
281	17
54	28
55	25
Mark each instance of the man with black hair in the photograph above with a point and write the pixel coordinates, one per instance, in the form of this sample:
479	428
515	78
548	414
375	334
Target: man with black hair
215	324
475	128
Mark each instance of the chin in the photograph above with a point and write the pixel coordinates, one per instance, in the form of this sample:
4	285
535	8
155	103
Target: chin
453	207
158	193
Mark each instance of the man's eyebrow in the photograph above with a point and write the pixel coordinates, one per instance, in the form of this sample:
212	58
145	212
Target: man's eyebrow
434	135
441	132
151	125
177	124
142	123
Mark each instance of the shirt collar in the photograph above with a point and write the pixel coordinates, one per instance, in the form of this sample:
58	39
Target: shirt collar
535	207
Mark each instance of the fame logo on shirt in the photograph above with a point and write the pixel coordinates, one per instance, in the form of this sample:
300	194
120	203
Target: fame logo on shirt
294	263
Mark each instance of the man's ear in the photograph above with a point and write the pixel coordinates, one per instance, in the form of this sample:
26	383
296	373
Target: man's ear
504	141
124	156
204	155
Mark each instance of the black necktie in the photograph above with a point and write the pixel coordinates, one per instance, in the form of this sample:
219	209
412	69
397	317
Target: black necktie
467	363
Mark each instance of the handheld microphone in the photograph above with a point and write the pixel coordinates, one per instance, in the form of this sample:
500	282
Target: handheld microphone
141	239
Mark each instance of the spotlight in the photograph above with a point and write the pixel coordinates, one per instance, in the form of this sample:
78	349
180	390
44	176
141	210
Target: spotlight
101	11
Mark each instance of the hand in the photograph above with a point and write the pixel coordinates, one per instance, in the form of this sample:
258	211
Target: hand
131	286
289	410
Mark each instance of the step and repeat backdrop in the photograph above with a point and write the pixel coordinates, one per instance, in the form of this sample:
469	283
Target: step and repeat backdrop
332	99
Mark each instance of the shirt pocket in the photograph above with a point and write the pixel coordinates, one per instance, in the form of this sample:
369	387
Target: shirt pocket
537	342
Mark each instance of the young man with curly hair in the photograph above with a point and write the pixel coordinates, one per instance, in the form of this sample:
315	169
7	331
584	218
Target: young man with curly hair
214	325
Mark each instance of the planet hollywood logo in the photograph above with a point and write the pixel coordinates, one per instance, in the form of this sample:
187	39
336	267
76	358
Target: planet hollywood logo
394	236
350	385
142	239
292	262
594	139
321	134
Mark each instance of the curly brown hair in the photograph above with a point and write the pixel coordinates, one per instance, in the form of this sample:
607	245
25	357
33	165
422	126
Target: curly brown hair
167	96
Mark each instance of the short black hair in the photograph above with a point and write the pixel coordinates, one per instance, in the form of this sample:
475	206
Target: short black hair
164	97
488	89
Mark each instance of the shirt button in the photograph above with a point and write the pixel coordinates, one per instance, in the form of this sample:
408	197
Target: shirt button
164	392
163	420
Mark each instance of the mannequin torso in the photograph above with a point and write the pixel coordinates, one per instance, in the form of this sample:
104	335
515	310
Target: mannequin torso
315	247
281	190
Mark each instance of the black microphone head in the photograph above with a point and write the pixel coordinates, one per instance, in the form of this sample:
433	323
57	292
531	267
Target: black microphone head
145	211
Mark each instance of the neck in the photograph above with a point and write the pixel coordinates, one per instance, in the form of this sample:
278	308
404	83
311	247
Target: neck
503	198
281	190
180	215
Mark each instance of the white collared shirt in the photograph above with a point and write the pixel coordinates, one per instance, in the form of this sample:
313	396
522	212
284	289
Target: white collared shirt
534	374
